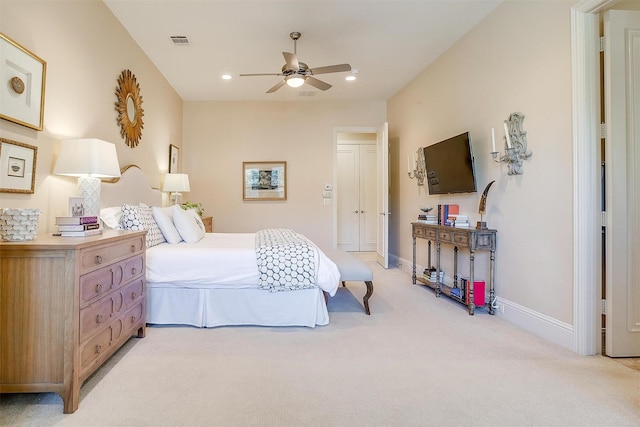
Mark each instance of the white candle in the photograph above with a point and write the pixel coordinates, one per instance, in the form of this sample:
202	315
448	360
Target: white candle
506	133
493	140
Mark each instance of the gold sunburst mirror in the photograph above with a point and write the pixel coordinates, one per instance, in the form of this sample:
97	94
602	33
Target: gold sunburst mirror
129	108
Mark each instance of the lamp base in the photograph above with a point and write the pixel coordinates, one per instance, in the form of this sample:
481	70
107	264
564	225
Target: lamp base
89	190
481	225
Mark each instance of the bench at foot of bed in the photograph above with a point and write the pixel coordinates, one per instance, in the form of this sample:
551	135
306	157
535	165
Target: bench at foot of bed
353	269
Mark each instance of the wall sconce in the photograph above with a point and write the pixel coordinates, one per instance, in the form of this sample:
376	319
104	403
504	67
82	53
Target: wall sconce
88	159
516	144
419	170
175	183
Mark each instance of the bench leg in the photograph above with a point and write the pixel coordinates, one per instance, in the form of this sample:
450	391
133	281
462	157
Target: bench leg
365	300
343	284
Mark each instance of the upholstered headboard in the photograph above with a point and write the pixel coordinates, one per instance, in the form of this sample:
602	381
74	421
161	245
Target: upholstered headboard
131	188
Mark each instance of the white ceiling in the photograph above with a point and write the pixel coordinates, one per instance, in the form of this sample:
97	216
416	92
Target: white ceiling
389	42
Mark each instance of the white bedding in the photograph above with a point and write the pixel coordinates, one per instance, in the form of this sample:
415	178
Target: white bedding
220	261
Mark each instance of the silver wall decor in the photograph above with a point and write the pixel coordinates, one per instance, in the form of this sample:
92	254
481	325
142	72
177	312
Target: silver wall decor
417	162
515	145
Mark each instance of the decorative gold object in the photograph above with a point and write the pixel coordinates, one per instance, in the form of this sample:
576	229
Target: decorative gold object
17	85
129	108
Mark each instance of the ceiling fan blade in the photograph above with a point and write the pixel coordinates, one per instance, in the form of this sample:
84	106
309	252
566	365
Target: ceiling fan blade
331	69
260	74
317	83
276	87
292	61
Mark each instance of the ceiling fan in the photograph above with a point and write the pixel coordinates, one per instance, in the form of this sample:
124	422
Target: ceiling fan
297	73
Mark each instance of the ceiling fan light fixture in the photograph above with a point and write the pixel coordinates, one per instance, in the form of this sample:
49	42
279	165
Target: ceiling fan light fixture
350	78
294	80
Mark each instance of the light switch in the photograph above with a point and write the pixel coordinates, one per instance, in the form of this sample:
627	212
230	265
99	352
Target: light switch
327	194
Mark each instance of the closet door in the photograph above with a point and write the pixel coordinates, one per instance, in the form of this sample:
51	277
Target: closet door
356	197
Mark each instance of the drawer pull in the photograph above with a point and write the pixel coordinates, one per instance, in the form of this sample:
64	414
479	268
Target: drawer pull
98	259
134	295
98	349
99	287
99	318
134	271
133	319
133	248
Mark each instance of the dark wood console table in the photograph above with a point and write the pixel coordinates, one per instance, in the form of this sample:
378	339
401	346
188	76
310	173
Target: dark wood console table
471	238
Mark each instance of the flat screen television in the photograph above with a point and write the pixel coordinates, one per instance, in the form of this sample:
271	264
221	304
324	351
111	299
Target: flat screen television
450	167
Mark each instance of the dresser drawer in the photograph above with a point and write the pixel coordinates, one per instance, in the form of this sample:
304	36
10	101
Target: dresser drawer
445	236
133	268
98	283
134	318
95	317
107	254
96	346
132	294
461	239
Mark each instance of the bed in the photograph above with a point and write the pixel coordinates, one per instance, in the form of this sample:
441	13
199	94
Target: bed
216	280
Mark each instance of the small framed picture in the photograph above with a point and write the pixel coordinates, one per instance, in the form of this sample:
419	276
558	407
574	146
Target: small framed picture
17	167
76	206
23	77
264	181
174	158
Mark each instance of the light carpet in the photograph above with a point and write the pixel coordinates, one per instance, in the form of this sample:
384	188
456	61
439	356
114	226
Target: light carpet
417	360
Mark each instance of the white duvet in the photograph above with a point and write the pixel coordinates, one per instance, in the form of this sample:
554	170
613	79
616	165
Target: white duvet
220	260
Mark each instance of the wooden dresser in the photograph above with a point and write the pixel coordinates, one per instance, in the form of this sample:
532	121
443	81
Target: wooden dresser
66	305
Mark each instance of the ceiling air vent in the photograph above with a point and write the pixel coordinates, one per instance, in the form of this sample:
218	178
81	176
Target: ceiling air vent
307	93
180	40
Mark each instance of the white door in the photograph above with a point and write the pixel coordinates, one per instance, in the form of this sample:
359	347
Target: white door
622	157
357	218
382	144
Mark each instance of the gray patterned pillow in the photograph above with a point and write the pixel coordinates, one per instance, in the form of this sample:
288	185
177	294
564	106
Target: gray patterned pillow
141	218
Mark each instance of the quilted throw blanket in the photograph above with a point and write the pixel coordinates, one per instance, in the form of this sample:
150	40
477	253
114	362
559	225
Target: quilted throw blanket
286	261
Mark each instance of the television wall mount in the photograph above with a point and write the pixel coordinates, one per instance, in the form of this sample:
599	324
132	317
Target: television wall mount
515	145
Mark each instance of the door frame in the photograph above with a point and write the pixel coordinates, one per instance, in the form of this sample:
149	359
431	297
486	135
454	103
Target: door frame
587	221
336	131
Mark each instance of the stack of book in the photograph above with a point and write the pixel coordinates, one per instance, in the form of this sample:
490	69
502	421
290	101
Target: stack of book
432	276
445	211
428	219
456	220
77	226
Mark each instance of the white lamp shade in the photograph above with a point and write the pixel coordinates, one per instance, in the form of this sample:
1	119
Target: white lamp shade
175	182
87	157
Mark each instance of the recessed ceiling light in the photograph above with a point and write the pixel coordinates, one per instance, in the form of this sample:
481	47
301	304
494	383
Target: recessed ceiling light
226	77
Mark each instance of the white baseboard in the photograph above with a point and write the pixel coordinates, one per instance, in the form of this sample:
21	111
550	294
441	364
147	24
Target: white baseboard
539	324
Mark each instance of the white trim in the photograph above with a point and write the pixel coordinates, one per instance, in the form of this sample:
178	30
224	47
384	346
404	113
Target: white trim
548	328
585	43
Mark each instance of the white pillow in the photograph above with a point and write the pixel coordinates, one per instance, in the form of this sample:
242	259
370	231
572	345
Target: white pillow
188	224
163	217
141	218
111	217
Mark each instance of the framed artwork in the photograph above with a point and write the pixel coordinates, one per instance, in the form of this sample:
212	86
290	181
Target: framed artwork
23	94
174	157
264	180
17	167
76	206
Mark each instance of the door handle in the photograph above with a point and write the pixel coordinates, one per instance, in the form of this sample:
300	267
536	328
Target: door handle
355	211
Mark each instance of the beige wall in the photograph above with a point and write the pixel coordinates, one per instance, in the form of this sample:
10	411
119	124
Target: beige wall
517	59
86	49
219	136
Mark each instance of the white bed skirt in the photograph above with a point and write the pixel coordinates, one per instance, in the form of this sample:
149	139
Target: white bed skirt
211	307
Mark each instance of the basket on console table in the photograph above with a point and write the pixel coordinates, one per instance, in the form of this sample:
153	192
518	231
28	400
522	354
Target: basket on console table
18	224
